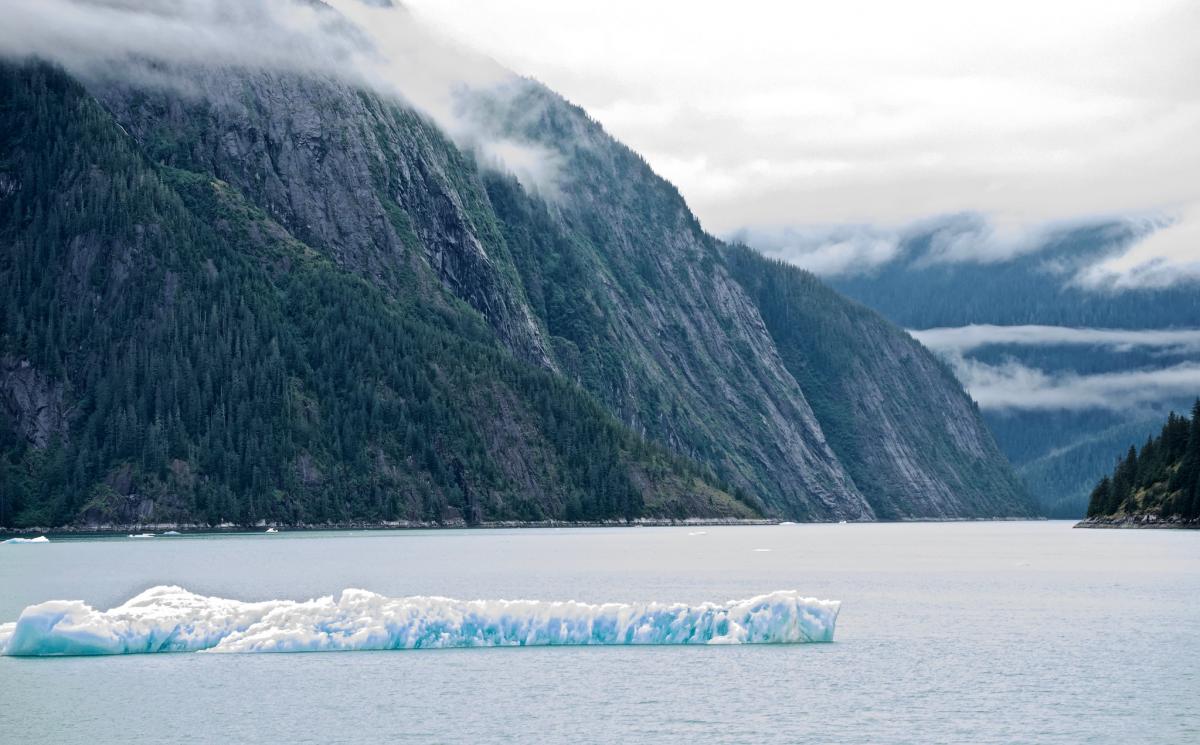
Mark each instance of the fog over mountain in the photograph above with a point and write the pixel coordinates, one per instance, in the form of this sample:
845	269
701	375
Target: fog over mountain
314	263
1067	369
1030	113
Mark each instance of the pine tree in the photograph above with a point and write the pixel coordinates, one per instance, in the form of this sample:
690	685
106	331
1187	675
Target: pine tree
1189	469
1098	504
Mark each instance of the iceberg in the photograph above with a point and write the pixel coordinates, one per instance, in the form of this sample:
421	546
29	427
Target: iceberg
171	619
39	539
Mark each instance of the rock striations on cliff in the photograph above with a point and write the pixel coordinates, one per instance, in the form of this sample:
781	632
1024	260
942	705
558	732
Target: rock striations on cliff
278	295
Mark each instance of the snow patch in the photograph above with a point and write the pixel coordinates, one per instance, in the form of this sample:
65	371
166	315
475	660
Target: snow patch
171	619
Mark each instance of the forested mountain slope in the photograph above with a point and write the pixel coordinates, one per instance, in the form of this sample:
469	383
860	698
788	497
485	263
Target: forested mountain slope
171	353
281	296
885	403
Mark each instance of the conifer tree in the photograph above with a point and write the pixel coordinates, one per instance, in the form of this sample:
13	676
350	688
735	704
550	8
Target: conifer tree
1098	504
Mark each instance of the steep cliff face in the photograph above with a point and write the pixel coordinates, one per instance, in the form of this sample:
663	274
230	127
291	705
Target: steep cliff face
217	368
662	334
381	191
593	286
36	406
873	423
912	439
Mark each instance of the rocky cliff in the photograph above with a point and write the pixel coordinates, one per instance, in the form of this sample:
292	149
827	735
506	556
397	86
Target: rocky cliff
352	302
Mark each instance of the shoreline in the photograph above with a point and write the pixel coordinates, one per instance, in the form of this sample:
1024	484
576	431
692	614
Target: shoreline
105	529
1134	522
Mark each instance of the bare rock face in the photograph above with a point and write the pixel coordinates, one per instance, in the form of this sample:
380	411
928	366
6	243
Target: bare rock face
606	278
372	184
912	439
704	371
33	401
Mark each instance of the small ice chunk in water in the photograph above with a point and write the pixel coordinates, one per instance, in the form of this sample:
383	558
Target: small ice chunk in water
39	539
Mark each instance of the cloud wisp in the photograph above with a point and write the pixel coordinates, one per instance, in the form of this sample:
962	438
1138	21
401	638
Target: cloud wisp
372	45
969	238
1012	386
1107	255
964	339
827	250
1164	258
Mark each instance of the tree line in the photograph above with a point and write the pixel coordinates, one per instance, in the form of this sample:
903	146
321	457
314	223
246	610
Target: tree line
1163	477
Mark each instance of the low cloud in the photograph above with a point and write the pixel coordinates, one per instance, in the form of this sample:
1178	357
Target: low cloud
968	238
963	339
1012	386
365	43
1164	258
537	167
832	250
1098	254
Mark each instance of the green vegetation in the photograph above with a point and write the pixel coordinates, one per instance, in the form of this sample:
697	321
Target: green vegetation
859	392
1162	479
276	297
220	370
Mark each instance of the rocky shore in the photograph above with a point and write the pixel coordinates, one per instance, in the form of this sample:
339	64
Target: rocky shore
1139	521
387	525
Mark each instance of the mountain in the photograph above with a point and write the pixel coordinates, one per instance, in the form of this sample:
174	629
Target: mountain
1158	485
1066	373
242	293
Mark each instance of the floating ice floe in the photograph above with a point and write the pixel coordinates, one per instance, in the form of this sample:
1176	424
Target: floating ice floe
141	535
39	539
272	530
172	532
171	619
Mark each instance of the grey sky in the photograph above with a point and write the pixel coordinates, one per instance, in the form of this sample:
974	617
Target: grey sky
770	114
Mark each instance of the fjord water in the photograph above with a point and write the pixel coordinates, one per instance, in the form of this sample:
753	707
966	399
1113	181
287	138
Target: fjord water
954	632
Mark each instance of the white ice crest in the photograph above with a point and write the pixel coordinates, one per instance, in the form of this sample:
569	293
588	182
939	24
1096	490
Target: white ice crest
171	619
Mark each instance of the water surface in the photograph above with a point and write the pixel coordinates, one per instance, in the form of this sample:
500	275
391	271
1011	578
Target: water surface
980	632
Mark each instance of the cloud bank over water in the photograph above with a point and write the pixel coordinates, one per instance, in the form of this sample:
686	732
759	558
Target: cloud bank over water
976	336
1014	386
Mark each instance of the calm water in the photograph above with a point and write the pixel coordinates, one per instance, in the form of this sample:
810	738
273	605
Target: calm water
962	632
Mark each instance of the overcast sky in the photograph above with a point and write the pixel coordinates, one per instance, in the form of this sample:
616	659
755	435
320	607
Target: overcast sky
833	124
768	113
